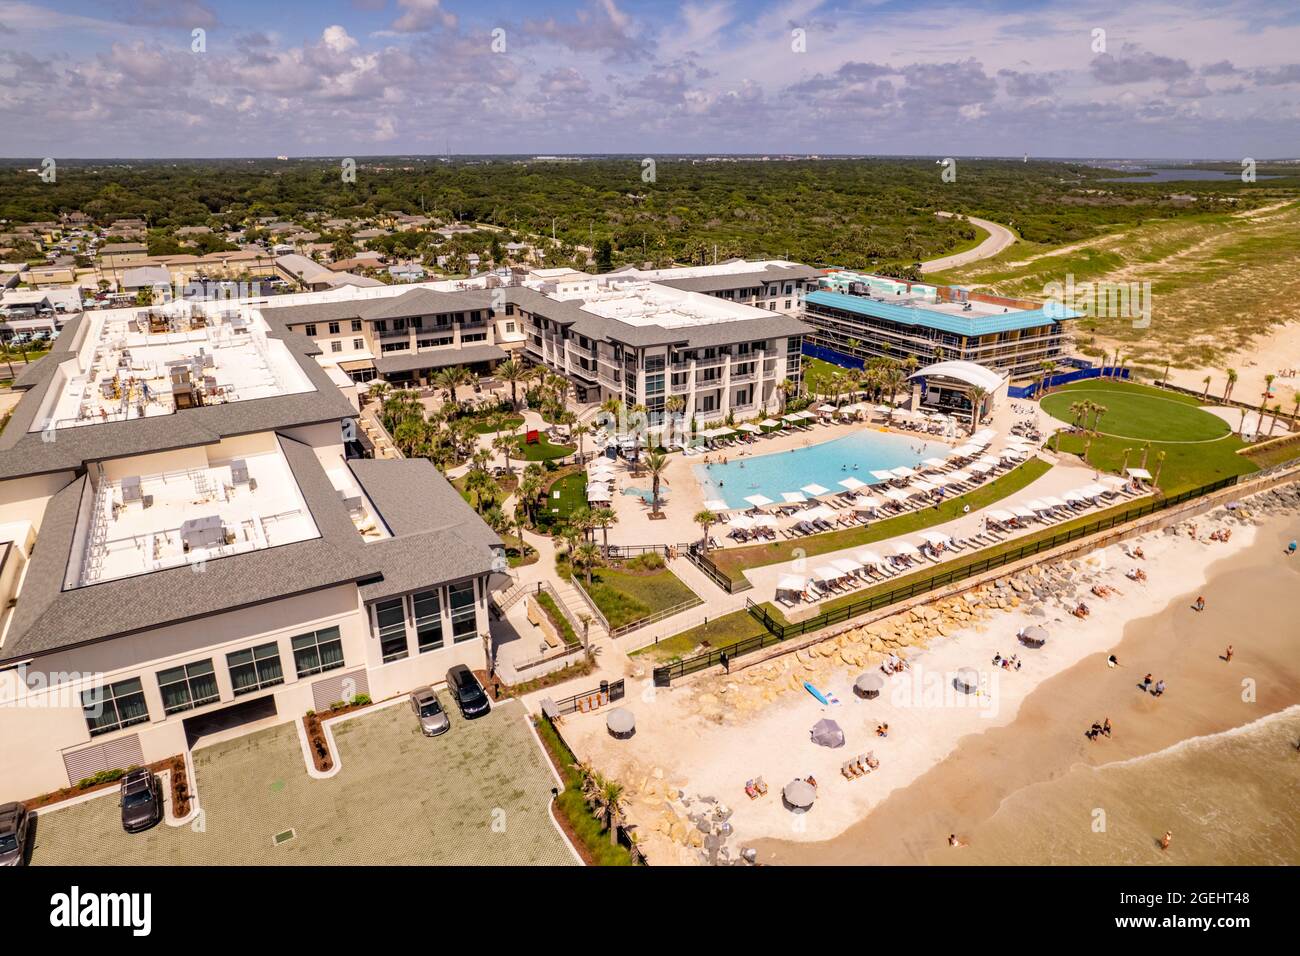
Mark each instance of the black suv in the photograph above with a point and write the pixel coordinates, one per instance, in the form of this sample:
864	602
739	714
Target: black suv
141	801
14	821
468	692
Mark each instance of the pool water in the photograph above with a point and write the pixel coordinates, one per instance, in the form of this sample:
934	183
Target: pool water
645	494
826	464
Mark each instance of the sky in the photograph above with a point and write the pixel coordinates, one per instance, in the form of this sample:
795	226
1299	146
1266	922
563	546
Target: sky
1088	78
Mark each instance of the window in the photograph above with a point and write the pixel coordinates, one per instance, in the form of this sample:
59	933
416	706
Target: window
390	624
358	345
336	345
114	706
474	337
356	325
334	328
255	668
309	330
464	616
434	343
510	327
318	651
428	620
394	346
188	686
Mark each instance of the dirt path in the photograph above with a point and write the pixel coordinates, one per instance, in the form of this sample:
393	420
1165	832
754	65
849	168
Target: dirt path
999	238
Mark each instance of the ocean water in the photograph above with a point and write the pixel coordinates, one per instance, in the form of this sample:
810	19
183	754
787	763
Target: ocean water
825	464
1230	799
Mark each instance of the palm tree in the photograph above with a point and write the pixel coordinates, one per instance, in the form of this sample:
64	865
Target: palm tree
479	483
1268	391
1160	461
1088	436
705	519
583	520
505	444
530	489
1078	410
1047	368
785	388
1123	468
1277	410
1206	393
605	797
1232	380
976	406
512	372
448	379
656	463
1295	410
1146	450
604	518
1097	412
586	558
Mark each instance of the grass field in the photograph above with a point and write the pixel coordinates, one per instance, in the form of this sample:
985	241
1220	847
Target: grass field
572	495
817	375
720	632
734	561
625	593
1138	412
1199	448
540	450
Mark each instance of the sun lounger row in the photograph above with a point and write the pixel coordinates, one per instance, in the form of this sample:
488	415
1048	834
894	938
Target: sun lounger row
860	766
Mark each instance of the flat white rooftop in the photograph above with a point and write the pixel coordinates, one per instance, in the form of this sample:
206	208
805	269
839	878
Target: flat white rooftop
643	303
147	362
204	508
739	267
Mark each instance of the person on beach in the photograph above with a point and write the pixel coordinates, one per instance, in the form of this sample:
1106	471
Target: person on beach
1105	728
1290	549
1200	604
1146	682
1160	688
1112	661
1227	655
1167	839
954	842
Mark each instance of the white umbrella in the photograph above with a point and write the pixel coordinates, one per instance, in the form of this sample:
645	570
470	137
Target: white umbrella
988	460
958	477
1074	494
759	501
814	490
978	468
826	573
825	408
1053	502
936	538
596	492
852	484
1093	491
1140	473
965	451
764	521
983	434
880	475
935	463
867	501
905	549
792	417
869	558
792	582
999	515
793	497
740	522
1020	511
1038	505
940	481
805	415
895	494
1014	453
1113	482
820	513
747	427
769	423
717	504
902	471
847	565
922	487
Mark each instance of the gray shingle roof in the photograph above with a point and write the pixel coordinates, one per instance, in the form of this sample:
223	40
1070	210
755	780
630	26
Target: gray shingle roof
741	280
440	358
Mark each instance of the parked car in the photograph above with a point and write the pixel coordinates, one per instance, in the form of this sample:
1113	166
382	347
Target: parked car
468	692
141	801
428	710
14	825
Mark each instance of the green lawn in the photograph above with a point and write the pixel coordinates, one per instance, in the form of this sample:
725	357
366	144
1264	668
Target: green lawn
572	495
512	422
1138	412
541	450
734	561
719	632
817	375
1199	447
625	594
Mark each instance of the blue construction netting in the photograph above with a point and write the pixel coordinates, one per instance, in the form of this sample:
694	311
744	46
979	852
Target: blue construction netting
1064	378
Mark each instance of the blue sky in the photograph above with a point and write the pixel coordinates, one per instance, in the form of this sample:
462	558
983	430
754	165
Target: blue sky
1165	78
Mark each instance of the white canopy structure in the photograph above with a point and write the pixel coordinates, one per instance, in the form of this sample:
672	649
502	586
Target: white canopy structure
920	487
814	490
1113	482
759	501
793	497
852	484
847	565
828	409
895	494
819	513
597	492
769	423
740	522
984	434
869	558
881	475
905	549
958	477
717	505
997	514
965	451
902	471
748	427
867	501
935	463
977	468
1139	473
826	572
1053	502
792	417
764	521
792	582
936	538
1020	511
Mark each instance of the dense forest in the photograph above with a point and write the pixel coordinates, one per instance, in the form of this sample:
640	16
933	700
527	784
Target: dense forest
858	213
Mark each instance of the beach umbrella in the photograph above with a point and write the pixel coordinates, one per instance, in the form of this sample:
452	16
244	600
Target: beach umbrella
805	415
921	487
826	408
1035	635
936	538
988	460
881	475
905	549
1140	473
852	484
597	492
997	514
869	685
827	733
764	521
740	522
759	501
799	794
902	471
895	494
1020	511
792	417
1113	482
769	423
1038	505
1014	453
935	463
1074	494
869	558
793	497
965	451
826	572
717	504
621	723
814	490
1092	491
958	477
967	680
747	427
847	565
984	434
1052	502
820	513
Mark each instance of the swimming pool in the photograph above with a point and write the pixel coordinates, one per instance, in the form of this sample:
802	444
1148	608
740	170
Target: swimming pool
826	464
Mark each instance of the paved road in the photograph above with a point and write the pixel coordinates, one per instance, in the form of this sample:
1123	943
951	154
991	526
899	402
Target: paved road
998	239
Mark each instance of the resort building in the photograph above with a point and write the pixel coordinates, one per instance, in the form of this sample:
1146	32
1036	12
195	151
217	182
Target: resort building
644	342
775	285
956	387
188	548
866	317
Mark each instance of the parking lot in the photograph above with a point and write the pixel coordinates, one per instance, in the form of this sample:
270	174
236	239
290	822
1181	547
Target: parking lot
475	795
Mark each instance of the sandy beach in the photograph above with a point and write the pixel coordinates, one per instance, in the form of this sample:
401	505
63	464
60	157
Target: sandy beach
951	761
1029	792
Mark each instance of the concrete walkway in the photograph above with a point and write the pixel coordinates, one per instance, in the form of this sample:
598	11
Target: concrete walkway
999	238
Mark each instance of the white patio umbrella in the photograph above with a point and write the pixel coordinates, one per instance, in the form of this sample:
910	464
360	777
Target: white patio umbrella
1052	502
905	549
820	513
826	408
1074	494
1113	482
1139	473
1093	490
965	451
881	475
978	468
805	415
935	463
869	558
793	497
984	434
826	572
940	481
799	794
717	505
1015	453
748	427
764	521
902	471
814	490
792	417
740	522
598	492
921	487
759	501
997	514
1038	505
847	565
792	582
895	494
852	484
959	477
936	538
988	460
1020	511
769	423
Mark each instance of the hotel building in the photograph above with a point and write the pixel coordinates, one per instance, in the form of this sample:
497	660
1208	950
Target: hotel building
187	549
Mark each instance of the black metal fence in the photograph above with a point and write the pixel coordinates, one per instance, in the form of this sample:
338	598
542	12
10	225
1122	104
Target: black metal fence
607	693
778	631
696	554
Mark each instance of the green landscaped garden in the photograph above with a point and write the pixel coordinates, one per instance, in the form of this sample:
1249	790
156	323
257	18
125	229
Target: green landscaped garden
634	589
720	632
565	495
509	424
817	375
540	450
733	561
1199	448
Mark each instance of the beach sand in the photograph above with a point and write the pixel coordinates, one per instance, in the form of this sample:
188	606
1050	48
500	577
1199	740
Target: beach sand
1214	759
